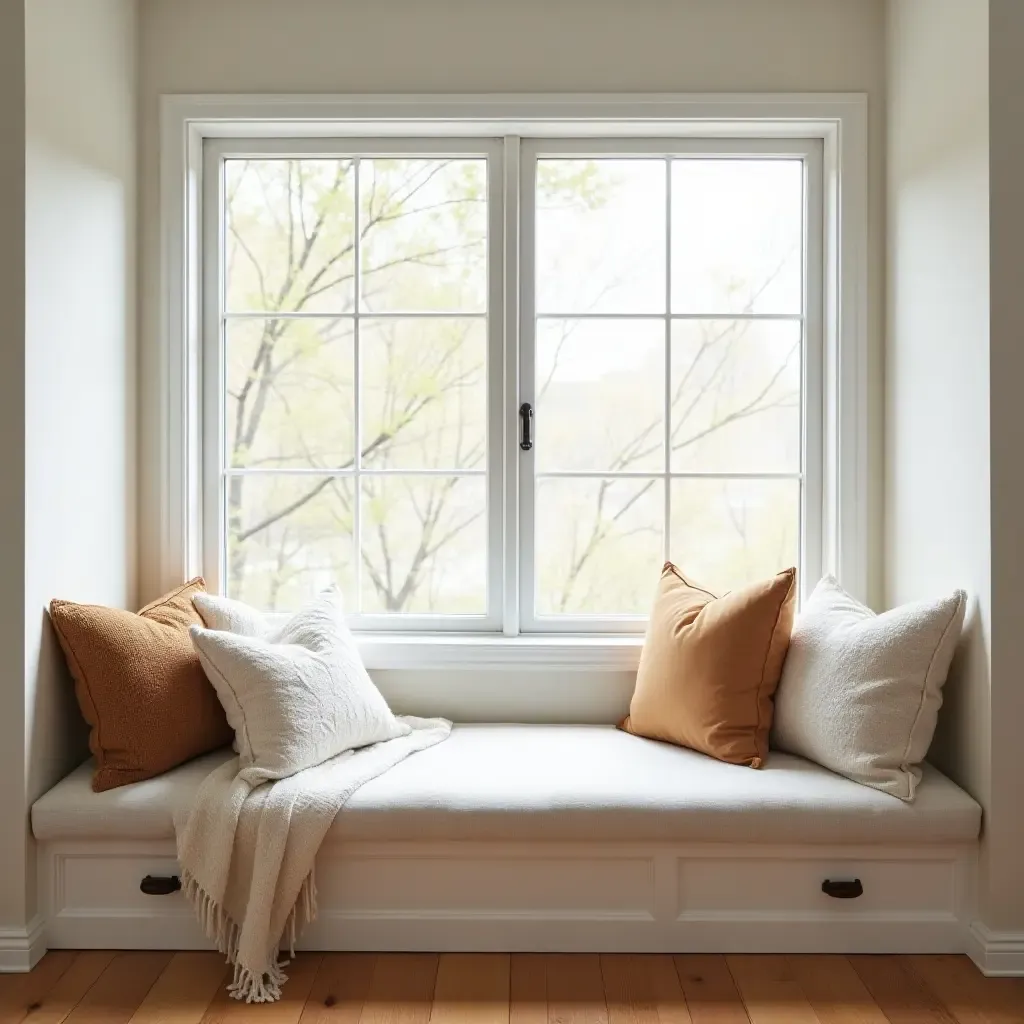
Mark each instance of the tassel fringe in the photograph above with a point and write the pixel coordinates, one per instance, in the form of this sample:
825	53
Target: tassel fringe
251	985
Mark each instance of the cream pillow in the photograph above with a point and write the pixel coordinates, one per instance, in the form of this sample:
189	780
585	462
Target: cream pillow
860	693
296	695
234	616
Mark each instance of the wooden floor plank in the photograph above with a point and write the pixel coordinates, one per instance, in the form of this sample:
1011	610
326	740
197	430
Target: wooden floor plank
967	993
769	989
643	989
340	990
668	992
708	987
835	991
901	995
294	993
401	990
22	994
628	998
184	990
120	989
72	987
97	987
575	989
472	988
528	989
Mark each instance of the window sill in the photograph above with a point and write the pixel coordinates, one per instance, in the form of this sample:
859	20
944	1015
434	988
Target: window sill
533	653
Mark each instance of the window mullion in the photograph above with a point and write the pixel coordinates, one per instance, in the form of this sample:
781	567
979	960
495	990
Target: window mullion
211	426
524	462
510	476
357	385
667	484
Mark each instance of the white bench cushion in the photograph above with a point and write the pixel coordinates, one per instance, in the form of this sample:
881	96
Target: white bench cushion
555	783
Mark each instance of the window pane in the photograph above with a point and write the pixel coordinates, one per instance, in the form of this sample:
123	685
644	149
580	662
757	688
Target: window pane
601	236
423	225
726	533
289	235
598	545
735	396
600	395
424	393
424	544
289	536
737	230
289	393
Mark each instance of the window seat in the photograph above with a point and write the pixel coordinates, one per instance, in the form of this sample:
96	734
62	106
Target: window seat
566	783
552	838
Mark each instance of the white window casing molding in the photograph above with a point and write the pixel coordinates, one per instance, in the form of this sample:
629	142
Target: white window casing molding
839	121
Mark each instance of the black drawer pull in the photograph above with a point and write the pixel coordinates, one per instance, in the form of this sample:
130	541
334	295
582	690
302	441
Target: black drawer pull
160	885
842	889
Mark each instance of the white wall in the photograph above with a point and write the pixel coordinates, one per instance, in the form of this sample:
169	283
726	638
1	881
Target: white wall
954	358
937	344
954	367
509	696
80	343
1005	860
13	833
478	46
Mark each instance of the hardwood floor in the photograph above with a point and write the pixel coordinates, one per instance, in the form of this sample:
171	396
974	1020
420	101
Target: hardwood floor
420	988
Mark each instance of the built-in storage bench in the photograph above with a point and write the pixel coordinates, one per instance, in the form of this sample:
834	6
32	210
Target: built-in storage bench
553	837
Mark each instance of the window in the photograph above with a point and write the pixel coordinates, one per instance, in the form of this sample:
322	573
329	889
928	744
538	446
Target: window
352	395
377	312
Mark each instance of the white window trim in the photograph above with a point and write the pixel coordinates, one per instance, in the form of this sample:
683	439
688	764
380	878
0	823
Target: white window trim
839	120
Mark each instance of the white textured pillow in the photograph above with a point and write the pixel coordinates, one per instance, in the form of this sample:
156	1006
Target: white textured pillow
234	616
297	695
860	693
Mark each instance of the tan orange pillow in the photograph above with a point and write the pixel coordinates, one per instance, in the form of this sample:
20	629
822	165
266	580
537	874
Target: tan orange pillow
710	666
140	685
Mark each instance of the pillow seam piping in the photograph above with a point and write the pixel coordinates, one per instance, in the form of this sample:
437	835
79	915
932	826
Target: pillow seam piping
168	598
760	687
69	649
238	704
924	694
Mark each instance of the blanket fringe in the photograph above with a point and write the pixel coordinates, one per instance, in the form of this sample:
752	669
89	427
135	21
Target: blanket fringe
250	985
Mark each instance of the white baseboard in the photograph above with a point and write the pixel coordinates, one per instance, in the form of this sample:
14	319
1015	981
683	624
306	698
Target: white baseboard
537	932
996	954
22	948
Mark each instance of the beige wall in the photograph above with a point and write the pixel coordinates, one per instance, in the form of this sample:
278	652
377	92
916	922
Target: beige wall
13	833
1005	860
937	360
954	325
79	388
478	46
954	365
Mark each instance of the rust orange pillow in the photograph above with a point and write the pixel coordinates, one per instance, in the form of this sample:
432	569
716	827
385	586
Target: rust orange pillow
140	685
710	666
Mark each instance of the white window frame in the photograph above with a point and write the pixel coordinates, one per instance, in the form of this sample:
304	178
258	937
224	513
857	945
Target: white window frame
839	121
215	152
809	151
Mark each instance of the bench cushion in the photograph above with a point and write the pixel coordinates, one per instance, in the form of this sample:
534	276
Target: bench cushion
559	783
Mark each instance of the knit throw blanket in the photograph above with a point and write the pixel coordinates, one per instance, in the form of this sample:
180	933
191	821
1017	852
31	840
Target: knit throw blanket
247	853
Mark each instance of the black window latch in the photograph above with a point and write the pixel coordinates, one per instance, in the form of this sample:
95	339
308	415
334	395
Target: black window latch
526	426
